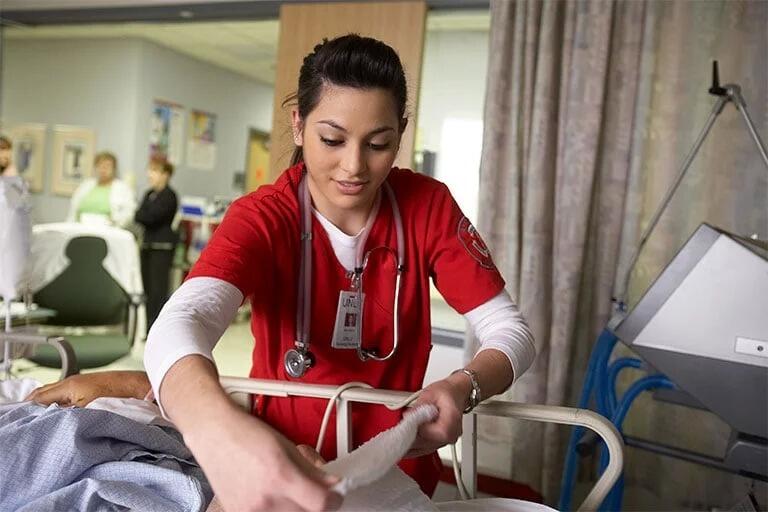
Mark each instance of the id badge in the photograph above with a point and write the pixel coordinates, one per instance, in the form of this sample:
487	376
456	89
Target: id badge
348	329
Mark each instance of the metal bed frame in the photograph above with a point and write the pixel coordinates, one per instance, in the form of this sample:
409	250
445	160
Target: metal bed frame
239	388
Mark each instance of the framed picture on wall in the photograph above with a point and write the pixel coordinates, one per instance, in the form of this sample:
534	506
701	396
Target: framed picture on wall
72	157
257	160
166	131
201	143
29	153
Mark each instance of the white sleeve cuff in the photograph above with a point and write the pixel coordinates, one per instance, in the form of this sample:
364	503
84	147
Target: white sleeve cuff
499	325
191	322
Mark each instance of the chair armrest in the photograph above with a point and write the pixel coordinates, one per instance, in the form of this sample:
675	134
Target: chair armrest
132	316
31	337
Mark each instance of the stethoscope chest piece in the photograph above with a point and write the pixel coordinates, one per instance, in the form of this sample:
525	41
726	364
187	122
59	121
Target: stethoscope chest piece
297	363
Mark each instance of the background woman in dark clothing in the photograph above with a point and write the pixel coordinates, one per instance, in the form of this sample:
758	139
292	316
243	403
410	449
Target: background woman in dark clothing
156	215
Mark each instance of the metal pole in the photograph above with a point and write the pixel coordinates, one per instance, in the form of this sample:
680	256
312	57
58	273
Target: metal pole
7	343
734	92
679	453
716	110
469	454
343	427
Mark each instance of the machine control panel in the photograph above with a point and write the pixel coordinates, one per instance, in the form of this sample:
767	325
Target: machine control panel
751	347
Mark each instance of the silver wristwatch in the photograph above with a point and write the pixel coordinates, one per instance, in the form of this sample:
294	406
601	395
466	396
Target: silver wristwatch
475	396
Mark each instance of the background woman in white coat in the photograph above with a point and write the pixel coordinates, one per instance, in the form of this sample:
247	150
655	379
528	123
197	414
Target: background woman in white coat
104	197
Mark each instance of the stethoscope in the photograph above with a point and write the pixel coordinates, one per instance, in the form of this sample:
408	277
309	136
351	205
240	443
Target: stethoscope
299	359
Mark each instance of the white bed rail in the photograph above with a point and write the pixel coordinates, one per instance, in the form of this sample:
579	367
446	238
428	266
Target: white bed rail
542	413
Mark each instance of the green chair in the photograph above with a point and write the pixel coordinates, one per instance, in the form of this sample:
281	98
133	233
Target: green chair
85	295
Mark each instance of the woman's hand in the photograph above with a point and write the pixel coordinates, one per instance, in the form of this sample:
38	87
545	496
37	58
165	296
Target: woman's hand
253	467
80	390
450	396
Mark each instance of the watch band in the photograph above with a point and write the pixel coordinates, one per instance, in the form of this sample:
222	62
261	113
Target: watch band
475	396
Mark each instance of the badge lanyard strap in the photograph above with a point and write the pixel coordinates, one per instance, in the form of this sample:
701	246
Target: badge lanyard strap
359	260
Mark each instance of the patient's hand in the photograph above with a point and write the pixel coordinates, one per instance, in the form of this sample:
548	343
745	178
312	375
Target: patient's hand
450	397
80	390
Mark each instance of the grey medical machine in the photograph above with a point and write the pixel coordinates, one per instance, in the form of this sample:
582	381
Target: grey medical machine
704	324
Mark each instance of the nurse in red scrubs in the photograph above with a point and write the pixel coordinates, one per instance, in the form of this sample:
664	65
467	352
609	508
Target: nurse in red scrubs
340	222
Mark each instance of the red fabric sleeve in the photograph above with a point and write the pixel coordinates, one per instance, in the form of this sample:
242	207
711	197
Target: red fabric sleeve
460	263
238	252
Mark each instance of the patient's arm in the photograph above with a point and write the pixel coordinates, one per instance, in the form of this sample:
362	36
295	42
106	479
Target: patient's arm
82	389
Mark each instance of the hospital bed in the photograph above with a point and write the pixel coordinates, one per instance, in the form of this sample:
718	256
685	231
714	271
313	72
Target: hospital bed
241	389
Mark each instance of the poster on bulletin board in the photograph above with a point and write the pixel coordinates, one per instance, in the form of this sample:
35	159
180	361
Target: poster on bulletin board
201	144
29	152
166	138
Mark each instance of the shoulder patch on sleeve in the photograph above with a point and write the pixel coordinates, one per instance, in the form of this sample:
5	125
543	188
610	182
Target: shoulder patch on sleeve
474	244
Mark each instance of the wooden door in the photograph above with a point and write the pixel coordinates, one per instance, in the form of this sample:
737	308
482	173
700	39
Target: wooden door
302	26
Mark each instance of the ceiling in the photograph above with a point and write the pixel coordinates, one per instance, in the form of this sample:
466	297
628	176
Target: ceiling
58	12
13	5
245	47
39	5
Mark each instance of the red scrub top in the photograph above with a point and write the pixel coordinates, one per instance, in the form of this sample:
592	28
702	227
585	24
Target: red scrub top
257	249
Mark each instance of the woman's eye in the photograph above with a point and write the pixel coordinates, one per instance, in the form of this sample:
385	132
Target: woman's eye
379	147
330	142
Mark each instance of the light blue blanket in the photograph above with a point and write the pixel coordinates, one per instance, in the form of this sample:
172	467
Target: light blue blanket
54	459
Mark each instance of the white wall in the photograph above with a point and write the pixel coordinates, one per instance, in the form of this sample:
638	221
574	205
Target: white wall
110	85
76	82
238	102
451	109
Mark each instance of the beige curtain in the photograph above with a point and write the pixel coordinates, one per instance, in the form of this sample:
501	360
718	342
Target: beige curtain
590	108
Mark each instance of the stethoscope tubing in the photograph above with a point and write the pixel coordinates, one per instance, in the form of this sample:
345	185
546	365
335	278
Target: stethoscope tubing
304	305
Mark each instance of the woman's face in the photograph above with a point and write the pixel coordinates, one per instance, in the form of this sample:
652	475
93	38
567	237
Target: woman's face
5	157
156	177
105	170
349	141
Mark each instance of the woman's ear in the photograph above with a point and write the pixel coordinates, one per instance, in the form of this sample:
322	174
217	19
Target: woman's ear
297	125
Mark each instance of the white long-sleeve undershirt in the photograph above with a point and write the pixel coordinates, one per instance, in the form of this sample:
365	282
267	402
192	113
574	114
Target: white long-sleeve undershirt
198	313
